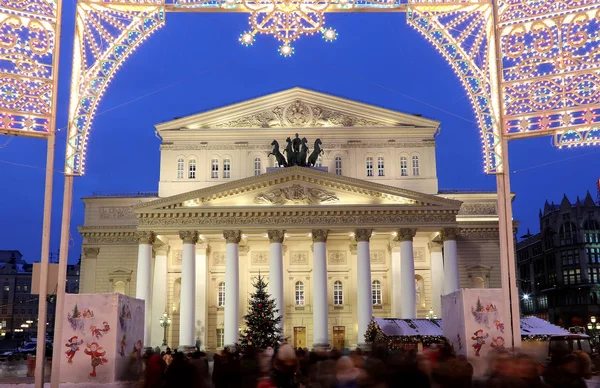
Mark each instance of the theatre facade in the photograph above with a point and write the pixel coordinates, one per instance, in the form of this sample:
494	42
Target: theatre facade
362	231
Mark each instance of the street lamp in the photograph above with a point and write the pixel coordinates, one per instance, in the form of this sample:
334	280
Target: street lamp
525	296
165	321
593	327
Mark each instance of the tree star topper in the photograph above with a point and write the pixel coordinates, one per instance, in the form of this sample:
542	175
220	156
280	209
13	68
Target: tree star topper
287	20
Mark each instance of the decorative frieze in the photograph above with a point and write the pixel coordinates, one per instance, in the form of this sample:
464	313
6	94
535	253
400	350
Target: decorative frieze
479	234
276	236
260	258
477	209
188	236
297	195
232	236
178	256
113	213
299	258
218	258
319	235
105	238
267	147
336	258
377	257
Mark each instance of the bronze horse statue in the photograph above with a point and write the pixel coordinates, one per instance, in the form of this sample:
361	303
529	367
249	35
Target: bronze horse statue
301	160
291	155
280	159
314	156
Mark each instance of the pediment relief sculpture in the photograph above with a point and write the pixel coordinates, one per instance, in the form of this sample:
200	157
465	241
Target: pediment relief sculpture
298	114
296	195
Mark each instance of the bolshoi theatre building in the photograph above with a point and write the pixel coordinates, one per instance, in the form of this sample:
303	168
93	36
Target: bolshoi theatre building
353	227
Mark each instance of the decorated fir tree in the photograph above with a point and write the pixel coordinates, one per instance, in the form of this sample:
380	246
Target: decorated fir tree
262	319
75	311
478	307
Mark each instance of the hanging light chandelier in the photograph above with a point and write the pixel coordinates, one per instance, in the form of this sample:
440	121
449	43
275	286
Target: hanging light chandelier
286	20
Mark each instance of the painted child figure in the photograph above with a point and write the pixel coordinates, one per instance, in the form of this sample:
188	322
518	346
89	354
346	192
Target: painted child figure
123	345
137	350
94	351
479	339
99	332
73	345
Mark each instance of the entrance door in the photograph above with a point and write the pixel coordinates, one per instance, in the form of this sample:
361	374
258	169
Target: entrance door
339	337
299	337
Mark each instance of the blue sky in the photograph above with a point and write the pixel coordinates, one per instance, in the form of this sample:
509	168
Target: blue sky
195	63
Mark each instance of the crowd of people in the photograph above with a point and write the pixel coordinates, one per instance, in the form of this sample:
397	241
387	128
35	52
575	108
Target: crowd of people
287	367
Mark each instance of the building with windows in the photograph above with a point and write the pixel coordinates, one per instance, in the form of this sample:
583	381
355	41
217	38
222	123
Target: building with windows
365	232
17	305
559	268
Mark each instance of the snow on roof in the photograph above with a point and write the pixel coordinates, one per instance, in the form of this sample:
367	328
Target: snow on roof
413	327
410	327
537	326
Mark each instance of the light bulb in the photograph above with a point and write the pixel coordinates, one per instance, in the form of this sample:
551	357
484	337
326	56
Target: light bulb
330	34
247	38
286	50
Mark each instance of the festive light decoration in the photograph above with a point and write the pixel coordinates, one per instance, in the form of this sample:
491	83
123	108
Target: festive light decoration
551	69
27	74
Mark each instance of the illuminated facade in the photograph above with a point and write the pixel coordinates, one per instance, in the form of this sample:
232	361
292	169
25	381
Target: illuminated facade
366	233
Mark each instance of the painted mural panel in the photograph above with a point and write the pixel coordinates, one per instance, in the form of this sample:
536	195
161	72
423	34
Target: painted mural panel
102	336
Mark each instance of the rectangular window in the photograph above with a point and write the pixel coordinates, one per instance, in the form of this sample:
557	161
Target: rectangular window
180	167
571	276
380	166
192	169
338	165
18	287
528	305
403	166
552	279
592	255
226	168
214	173
338	298
25	287
569	257
415	165
594	275
542	301
220	338
369	166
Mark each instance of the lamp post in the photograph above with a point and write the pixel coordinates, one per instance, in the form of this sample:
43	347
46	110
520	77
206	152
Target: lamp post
593	327
165	321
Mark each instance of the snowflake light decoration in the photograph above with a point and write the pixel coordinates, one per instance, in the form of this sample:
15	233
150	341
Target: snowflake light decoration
286	20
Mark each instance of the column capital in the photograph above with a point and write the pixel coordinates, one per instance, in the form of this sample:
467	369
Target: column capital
91	253
145	237
319	235
276	236
449	234
188	236
435	246
161	249
363	234
203	247
232	236
243	250
406	234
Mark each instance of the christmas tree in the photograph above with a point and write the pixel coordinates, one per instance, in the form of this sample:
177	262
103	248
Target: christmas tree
478	307
262	320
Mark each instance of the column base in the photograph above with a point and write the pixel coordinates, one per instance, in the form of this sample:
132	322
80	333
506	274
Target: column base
321	347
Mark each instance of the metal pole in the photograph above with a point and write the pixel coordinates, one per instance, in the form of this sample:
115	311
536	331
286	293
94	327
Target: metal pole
505	217
62	279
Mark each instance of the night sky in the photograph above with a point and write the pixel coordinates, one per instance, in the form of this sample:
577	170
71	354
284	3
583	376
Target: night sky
196	63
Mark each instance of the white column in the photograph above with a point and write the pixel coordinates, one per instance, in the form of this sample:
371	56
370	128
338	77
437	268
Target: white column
451	279
187	311
407	272
437	277
232	286
396	279
201	290
159	293
363	274
143	284
320	300
276	270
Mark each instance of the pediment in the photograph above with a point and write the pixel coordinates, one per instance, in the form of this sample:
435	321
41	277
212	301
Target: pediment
297	186
298	108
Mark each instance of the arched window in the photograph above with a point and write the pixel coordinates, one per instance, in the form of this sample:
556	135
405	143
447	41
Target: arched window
299	289
214	169
568	233
226	168
369	166
403	166
380	166
338	165
192	169
338	293
592	231
415	165
376	292
119	287
221	295
257	166
180	168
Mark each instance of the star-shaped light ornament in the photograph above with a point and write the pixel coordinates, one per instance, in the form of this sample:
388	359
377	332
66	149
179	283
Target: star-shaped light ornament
287	20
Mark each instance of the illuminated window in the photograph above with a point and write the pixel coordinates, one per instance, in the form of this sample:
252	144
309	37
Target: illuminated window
180	167
594	275
220	338
6	287
376	292
380	166
568	233
338	293
226	168
25	287
257	166
403	166
415	165
192	169
221	296
299	289
338	165
571	276
592	232
369	166
214	173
